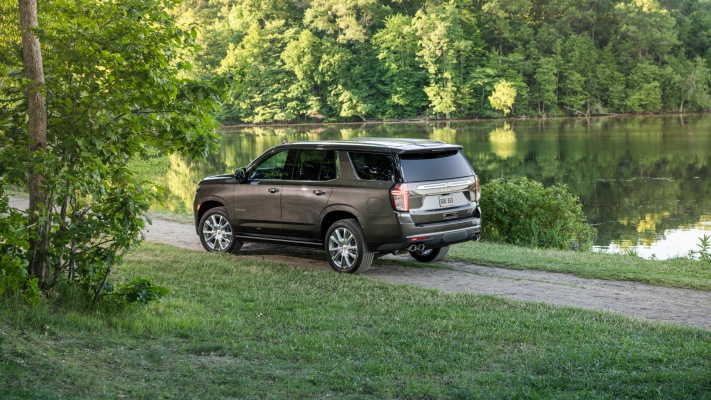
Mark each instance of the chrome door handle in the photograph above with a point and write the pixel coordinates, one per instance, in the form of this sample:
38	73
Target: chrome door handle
319	192
273	190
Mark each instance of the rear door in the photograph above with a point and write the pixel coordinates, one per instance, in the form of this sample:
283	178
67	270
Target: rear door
441	186
306	195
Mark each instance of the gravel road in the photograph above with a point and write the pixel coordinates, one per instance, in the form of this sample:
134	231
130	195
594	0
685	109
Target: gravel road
679	306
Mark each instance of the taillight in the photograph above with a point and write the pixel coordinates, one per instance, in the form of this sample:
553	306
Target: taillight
477	189
400	196
475	192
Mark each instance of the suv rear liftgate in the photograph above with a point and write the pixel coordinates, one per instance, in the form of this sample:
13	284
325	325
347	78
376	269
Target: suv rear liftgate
357	199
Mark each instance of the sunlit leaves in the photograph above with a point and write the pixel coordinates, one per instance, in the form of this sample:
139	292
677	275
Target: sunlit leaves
503	97
114	92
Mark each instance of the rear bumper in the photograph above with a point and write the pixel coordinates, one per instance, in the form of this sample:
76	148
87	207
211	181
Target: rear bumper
436	234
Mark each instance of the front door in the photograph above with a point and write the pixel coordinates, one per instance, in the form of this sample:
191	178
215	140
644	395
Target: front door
257	203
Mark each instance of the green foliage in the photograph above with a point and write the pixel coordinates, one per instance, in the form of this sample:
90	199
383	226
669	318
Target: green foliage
363	59
524	212
448	47
503	97
14	278
141	290
115	93
403	77
704	251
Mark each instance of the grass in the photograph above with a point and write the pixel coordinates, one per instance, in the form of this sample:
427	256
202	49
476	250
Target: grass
243	328
678	272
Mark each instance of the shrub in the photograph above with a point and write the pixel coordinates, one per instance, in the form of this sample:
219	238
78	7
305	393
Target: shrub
524	212
141	290
14	278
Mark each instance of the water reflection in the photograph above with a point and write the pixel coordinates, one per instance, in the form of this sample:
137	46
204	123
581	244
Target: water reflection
644	182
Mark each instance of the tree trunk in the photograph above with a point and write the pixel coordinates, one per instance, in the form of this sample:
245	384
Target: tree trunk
37	133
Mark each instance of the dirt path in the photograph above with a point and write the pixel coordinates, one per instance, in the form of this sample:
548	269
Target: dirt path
681	306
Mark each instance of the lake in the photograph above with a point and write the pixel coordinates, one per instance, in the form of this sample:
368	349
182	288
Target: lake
644	182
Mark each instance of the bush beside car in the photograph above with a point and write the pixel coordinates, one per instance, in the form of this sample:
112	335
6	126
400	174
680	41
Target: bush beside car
526	213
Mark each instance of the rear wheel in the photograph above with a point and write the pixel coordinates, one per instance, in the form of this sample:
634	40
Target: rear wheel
429	255
345	247
216	233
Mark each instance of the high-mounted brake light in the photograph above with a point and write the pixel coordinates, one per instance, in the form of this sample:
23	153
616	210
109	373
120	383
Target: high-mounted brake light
400	196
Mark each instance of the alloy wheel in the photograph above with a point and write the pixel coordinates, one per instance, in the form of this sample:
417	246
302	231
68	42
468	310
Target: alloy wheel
217	232
343	248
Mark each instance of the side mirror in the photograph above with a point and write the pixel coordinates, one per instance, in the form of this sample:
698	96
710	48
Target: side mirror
241	175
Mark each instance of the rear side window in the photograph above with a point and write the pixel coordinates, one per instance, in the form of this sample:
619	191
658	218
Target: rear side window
434	166
373	166
315	165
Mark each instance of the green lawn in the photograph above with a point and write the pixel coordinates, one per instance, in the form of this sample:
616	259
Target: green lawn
242	328
678	272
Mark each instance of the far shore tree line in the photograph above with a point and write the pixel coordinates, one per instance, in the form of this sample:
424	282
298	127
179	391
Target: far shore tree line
336	60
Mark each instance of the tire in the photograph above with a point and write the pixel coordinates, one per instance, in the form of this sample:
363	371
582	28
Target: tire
429	255
346	249
216	233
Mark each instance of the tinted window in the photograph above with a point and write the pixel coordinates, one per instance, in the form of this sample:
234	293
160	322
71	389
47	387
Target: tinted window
315	165
272	168
434	166
373	166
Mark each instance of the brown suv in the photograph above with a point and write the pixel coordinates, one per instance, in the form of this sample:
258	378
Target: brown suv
356	199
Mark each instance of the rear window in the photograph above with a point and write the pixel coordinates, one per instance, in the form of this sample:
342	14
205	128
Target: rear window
419	167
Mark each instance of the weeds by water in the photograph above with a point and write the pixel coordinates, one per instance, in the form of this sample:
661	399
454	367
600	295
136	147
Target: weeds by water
704	251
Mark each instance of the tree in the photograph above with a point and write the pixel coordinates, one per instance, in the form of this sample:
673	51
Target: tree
449	45
345	20
696	89
113	93
507	19
644	29
37	139
301	57
546	84
644	92
610	88
347	80
261	93
503	97
403	77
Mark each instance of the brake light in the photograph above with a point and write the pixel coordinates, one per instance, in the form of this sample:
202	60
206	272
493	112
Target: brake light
477	189
400	196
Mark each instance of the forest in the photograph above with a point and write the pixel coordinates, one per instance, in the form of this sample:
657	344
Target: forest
353	60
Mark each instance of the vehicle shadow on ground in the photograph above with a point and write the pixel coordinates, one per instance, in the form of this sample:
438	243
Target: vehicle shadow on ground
306	257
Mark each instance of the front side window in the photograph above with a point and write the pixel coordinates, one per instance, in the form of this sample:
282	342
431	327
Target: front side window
315	165
374	166
273	168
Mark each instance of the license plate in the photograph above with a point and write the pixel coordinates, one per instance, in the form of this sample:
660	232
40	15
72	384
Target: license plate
446	201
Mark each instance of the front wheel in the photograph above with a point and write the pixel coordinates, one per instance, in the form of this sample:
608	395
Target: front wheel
429	255
346	249
216	233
